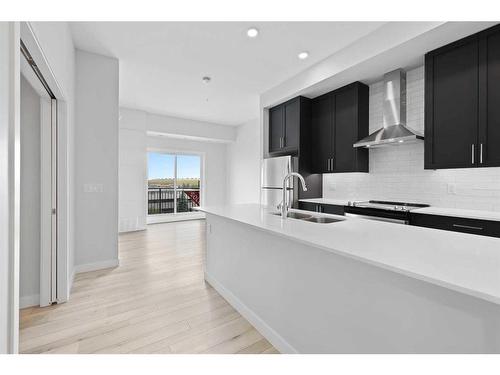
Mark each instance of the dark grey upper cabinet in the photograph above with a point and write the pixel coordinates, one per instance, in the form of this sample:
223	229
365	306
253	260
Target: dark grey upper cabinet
275	128
489	104
289	134
461	83
321	133
339	119
285	121
350	119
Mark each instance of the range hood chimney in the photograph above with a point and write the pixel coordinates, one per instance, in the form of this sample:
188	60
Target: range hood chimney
394	131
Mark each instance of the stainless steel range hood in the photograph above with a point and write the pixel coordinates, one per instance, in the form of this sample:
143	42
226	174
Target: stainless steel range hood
394	131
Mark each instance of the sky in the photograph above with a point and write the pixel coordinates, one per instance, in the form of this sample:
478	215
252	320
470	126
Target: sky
162	166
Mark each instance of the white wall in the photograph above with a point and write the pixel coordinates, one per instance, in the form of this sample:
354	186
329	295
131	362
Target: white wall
56	42
96	161
397	173
179	135
243	165
133	173
29	283
190	128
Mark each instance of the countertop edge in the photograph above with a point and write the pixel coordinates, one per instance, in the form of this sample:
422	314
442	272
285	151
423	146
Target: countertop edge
457	288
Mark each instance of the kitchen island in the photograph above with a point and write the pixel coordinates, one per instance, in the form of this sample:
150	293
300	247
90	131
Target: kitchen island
355	285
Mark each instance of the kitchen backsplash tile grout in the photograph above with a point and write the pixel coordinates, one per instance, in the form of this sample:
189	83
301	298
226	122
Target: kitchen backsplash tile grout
397	173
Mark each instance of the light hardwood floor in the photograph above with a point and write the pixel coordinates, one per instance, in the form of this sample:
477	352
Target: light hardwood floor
156	301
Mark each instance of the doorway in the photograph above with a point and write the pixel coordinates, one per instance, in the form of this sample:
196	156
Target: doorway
174	186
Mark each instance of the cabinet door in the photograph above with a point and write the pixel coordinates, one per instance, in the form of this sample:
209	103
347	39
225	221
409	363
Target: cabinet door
489	119
332	209
308	206
451	123
291	125
321	134
345	130
275	128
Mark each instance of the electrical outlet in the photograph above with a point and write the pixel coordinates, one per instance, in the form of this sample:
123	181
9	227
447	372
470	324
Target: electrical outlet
331	187
452	188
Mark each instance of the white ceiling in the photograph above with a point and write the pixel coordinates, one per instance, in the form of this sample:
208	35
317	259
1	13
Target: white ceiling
162	63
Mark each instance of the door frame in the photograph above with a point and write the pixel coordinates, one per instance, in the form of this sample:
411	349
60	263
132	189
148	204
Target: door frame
10	76
62	181
163	218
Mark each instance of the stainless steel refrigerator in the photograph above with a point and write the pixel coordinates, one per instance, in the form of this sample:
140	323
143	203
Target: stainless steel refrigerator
273	172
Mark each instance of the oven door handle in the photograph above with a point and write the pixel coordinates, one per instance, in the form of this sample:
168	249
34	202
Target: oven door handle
377	218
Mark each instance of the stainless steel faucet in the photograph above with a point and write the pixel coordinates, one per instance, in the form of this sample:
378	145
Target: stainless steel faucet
284	203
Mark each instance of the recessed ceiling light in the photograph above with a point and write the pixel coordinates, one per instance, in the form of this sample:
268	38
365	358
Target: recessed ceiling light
206	79
303	55
252	32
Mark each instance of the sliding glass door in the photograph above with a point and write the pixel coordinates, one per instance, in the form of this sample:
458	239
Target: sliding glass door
174	182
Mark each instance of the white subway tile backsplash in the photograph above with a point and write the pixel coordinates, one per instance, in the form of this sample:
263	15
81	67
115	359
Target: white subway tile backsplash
397	173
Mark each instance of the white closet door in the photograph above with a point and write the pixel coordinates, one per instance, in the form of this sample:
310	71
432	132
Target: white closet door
48	201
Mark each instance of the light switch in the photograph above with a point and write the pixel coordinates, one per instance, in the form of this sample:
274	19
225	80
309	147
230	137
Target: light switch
93	188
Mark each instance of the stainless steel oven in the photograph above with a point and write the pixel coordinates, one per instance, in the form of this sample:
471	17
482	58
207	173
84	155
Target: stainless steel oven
393	212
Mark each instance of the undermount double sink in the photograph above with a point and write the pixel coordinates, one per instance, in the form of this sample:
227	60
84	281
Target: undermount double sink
309	218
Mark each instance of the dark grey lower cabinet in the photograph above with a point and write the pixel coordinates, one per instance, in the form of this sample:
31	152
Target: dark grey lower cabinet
322	208
457	224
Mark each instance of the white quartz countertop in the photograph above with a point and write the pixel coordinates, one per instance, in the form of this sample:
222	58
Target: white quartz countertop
462	262
457	212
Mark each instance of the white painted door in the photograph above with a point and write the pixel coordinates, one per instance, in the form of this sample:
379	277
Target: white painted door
48	199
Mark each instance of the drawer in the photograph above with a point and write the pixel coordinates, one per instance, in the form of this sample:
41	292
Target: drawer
457	224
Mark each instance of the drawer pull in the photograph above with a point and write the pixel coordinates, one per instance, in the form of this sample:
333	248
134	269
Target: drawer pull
466	227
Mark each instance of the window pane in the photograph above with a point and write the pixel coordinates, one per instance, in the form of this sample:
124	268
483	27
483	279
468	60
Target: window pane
161	168
188	182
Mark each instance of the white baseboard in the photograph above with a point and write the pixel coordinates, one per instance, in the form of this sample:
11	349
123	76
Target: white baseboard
168	218
97	266
28	301
270	334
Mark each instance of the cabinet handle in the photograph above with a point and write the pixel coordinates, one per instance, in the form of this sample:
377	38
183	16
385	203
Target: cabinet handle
466	227
481	153
472	153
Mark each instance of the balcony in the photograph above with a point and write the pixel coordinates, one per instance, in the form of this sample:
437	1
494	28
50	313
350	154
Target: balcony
163	200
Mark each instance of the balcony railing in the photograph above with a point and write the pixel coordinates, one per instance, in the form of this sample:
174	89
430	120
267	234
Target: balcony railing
161	200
